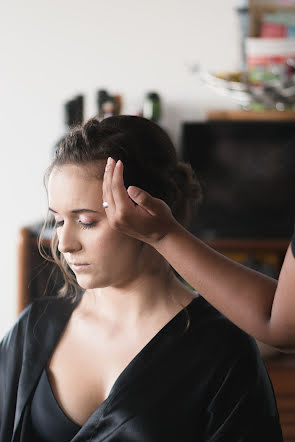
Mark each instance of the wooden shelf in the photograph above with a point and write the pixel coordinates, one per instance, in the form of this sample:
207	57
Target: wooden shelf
274	245
243	115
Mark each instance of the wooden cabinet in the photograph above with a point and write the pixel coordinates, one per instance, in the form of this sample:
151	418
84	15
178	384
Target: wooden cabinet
35	275
282	374
265	256
245	115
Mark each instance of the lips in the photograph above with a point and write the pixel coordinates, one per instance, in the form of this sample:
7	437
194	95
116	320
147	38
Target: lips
78	266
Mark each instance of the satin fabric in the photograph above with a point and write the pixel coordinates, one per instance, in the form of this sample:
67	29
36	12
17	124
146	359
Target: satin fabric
48	420
206	383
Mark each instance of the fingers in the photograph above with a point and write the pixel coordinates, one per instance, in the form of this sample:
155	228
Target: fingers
114	192
121	198
107	194
143	199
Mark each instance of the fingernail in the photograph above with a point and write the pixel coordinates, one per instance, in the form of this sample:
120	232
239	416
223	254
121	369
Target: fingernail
133	191
109	161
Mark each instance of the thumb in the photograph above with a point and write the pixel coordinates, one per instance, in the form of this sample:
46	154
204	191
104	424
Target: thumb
142	198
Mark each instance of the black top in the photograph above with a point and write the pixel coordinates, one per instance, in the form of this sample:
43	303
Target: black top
48	421
207	383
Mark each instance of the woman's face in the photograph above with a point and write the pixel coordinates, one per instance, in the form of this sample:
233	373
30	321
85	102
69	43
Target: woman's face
98	255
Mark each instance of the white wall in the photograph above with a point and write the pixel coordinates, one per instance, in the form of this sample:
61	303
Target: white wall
52	49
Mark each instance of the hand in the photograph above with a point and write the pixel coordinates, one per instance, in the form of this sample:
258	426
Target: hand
148	220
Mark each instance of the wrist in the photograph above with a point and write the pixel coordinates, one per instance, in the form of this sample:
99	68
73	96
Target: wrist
174	228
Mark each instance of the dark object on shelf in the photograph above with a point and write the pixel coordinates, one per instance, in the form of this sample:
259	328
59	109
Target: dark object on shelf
152	107
107	105
74	110
243	12
102	97
79	109
73	115
246	169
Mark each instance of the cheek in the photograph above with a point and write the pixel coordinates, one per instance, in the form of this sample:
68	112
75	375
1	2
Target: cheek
113	246
114	256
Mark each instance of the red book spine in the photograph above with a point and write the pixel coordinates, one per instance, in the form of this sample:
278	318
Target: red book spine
273	30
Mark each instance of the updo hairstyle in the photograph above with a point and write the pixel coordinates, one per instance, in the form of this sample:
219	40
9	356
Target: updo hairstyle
150	162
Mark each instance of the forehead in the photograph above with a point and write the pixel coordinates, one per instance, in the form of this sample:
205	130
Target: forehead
72	187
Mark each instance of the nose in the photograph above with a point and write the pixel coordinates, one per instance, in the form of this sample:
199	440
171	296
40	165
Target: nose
68	241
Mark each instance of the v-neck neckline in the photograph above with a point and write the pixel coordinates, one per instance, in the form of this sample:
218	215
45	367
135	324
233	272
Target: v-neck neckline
120	381
48	319
45	378
146	347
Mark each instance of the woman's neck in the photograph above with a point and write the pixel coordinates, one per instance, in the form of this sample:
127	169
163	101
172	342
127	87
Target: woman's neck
141	300
131	298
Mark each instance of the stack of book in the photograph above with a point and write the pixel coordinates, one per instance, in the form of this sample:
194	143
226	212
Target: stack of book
269	58
278	25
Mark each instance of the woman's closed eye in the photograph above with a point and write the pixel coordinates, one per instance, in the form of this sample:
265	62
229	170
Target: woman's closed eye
83	225
87	225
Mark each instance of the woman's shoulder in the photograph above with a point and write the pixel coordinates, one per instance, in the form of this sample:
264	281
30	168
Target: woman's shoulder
40	310
17	329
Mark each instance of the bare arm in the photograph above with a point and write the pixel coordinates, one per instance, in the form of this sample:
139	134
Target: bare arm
256	303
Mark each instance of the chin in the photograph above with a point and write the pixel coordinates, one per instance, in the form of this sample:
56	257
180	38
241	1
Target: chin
88	283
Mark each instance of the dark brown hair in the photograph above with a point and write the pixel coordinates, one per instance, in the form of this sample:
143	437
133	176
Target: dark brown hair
150	162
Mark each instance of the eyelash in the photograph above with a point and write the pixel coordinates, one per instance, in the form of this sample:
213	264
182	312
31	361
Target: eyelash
86	226
82	225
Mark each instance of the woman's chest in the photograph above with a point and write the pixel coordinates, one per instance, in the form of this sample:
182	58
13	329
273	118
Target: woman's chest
85	365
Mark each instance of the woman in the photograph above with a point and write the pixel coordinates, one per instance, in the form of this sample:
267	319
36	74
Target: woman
137	356
258	304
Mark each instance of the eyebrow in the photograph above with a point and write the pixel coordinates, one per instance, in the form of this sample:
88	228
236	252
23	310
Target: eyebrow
77	211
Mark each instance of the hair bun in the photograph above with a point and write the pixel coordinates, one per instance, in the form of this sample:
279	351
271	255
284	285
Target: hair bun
187	192
186	181
90	131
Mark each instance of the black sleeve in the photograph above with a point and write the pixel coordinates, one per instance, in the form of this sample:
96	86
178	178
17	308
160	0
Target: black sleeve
10	366
293	243
244	409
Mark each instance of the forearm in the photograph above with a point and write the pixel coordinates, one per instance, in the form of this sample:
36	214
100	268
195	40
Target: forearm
243	295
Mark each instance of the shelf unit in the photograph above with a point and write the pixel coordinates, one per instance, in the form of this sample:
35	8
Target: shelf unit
258	8
248	115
